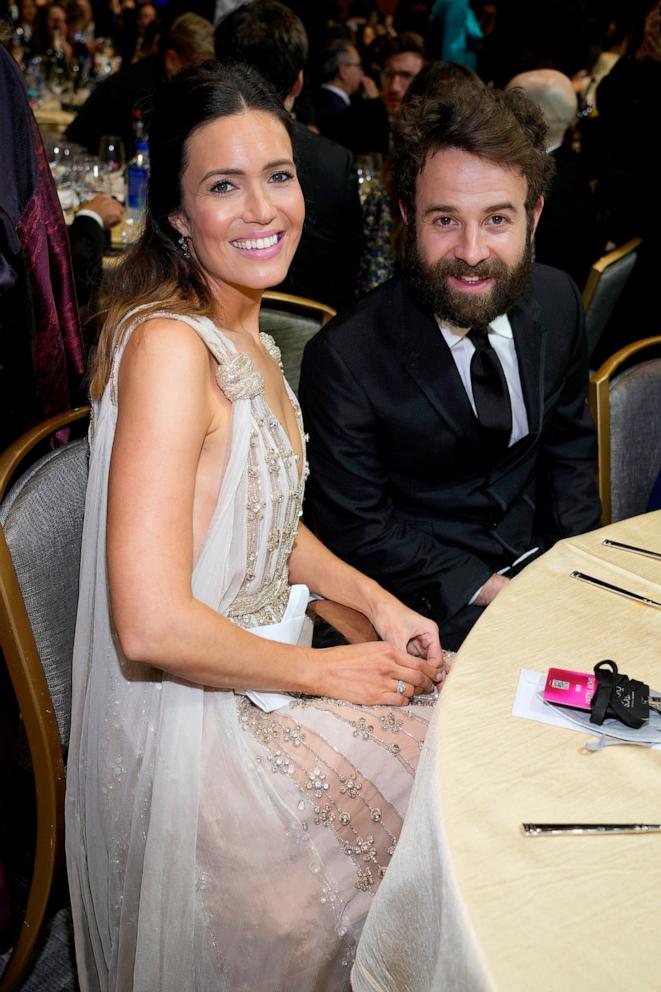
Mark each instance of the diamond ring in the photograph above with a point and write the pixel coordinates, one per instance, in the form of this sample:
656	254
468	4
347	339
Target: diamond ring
401	687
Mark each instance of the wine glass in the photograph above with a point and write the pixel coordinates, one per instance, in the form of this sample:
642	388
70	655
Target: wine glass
111	153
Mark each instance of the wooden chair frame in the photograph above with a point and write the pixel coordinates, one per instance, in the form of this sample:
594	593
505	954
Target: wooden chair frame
21	656
599	400
600	267
322	309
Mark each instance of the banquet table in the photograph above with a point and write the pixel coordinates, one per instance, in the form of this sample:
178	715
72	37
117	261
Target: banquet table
471	904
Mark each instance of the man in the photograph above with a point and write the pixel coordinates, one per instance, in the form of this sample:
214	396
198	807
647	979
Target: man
401	58
449	435
567	232
271	38
110	107
341	75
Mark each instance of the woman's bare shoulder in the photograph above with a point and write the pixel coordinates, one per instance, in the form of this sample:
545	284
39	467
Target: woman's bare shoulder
165	340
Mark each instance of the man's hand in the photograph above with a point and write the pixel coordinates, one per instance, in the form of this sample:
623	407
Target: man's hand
370	89
490	589
109	210
409	631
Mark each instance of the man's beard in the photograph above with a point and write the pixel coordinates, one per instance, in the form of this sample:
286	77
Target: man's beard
429	285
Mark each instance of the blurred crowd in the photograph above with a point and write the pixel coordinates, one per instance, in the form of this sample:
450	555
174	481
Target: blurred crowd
343	69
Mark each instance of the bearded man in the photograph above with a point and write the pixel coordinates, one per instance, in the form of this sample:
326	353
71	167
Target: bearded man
450	440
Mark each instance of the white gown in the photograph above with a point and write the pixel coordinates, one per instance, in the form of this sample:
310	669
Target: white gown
210	845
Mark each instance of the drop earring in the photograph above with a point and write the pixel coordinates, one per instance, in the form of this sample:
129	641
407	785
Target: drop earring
183	244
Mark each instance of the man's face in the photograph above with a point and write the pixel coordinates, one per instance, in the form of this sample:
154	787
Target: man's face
470	247
351	71
396	77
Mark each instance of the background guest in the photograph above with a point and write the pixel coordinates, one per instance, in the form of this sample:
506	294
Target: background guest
400	60
109	108
340	76
566	235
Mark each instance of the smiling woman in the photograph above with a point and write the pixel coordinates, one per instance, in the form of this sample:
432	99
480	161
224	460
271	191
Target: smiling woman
238	219
212	844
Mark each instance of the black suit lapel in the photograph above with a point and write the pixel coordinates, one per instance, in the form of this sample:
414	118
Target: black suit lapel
428	360
530	344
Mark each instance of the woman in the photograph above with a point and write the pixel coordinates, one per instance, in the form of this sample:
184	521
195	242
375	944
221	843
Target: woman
212	845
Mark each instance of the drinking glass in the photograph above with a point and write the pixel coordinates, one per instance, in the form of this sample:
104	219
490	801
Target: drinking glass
111	153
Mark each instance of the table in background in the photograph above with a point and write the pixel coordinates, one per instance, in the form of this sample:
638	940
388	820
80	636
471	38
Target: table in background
468	903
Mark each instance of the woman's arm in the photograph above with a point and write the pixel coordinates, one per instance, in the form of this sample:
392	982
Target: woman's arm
324	573
170	415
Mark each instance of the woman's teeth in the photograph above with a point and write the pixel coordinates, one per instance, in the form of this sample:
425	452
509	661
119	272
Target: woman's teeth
257	243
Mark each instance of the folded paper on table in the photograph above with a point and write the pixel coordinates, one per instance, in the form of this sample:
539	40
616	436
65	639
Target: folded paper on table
294	628
529	705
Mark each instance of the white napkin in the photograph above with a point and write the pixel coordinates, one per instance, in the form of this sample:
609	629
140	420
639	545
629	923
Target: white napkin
294	628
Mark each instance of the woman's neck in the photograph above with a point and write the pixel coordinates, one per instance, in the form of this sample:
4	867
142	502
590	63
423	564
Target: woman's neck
237	308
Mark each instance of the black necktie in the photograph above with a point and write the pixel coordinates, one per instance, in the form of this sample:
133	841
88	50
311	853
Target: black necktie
490	392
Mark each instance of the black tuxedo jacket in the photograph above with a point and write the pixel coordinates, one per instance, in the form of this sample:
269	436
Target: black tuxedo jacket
331	115
325	264
400	486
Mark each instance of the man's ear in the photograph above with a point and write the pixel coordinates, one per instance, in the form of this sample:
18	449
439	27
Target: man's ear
171	63
403	212
536	214
294	92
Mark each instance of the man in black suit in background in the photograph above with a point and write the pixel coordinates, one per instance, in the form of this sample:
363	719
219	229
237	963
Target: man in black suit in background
271	38
567	233
450	440
340	76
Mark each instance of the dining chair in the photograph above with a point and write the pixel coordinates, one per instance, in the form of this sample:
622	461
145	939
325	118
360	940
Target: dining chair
627	412
41	521
605	283
292	321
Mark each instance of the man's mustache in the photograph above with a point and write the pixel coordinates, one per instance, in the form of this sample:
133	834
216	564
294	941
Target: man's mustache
458	269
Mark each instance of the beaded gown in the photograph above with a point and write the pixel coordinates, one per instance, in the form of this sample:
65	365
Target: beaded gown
211	845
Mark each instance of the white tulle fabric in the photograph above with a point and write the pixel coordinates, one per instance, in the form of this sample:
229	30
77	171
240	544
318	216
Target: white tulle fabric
211	846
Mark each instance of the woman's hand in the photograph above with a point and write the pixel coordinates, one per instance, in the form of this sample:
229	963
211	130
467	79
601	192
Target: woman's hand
369	674
409	631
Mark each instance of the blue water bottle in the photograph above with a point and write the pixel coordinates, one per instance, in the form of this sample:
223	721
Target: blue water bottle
137	174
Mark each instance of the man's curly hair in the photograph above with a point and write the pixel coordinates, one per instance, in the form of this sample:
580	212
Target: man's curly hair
505	128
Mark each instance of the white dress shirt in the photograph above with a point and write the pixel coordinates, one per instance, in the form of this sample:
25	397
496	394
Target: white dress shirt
501	340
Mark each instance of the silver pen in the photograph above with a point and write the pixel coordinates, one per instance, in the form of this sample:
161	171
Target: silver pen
634	549
617	589
553	829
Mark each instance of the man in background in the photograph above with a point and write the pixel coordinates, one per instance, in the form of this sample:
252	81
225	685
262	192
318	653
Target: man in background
341	76
271	38
566	235
110	108
401	59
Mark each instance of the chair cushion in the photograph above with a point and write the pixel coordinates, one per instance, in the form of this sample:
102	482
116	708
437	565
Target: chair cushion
42	516
635	412
291	332
612	282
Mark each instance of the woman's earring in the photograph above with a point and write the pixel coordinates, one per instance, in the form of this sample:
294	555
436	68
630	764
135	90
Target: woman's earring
183	244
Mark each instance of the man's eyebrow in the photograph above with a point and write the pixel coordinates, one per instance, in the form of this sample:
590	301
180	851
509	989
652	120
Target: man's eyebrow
446	208
276	164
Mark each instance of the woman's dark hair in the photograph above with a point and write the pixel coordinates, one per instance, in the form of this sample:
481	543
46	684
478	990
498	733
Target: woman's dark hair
155	272
507	129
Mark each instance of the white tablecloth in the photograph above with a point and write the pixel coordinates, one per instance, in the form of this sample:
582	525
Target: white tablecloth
469	903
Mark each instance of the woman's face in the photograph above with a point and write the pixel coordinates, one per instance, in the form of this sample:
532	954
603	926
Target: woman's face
28	10
242	206
57	19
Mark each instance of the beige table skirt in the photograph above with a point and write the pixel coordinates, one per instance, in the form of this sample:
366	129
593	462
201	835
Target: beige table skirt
468	903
